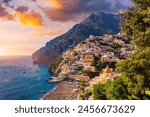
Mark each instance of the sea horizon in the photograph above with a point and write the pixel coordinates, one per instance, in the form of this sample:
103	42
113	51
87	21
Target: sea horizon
20	79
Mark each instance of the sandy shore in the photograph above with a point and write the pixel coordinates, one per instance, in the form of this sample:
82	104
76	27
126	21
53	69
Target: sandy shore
64	91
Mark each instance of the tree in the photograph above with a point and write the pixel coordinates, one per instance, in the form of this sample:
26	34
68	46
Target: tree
82	85
136	25
91	74
135	78
117	89
99	92
85	95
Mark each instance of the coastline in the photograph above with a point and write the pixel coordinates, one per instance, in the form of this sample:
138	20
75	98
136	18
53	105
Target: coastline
45	95
63	91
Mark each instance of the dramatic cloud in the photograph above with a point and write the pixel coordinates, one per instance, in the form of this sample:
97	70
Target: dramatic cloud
42	20
30	18
21	13
40	13
66	10
22	9
4	13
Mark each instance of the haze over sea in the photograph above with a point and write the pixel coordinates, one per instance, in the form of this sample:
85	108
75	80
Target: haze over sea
21	80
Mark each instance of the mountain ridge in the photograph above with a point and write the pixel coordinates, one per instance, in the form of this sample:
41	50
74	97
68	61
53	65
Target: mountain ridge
95	24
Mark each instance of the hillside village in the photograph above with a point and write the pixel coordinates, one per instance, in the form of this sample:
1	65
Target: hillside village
93	61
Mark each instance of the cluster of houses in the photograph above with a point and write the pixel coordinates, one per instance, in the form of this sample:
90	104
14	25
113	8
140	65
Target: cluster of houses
106	75
107	48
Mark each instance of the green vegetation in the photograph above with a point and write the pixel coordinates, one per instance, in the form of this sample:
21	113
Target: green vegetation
148	93
82	85
79	69
134	83
53	66
117	89
99	65
117	46
91	74
99	92
136	70
75	53
82	88
85	95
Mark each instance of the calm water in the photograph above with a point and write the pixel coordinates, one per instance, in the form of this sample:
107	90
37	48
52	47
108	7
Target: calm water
21	80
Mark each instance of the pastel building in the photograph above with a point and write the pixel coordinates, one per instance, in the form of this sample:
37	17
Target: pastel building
88	59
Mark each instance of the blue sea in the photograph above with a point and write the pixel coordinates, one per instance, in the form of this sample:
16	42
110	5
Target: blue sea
21	80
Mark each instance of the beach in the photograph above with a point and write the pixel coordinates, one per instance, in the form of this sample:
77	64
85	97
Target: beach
64	91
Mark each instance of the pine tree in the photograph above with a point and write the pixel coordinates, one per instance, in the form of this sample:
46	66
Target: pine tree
135	78
136	25
99	92
117	89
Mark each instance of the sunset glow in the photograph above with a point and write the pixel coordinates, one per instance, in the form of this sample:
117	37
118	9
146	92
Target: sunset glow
2	53
32	19
26	25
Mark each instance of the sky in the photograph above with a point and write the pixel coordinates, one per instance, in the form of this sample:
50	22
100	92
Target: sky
26	25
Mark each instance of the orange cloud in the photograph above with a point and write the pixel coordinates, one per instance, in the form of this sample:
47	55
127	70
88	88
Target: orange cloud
30	18
56	4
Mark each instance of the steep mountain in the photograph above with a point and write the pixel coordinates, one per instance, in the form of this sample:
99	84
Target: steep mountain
96	24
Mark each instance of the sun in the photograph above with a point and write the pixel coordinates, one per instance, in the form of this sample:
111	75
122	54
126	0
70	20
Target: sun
2	53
